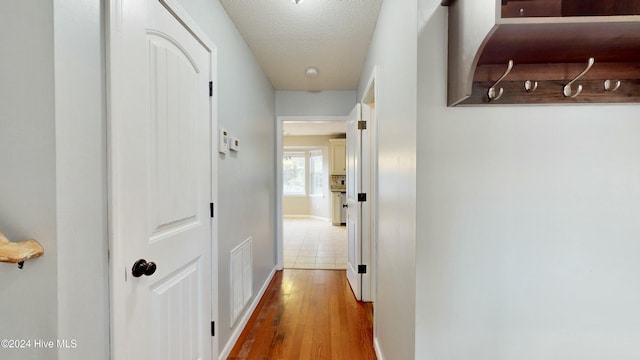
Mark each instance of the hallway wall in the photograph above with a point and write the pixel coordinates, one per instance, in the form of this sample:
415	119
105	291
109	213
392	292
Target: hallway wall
317	103
53	184
246	179
81	171
527	223
28	181
393	50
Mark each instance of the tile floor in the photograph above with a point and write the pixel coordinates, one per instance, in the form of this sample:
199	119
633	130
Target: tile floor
314	244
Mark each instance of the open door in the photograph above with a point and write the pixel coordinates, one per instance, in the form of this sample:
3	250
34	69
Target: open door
355	198
361	195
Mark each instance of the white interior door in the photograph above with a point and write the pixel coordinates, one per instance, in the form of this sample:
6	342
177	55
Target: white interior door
366	213
354	206
161	184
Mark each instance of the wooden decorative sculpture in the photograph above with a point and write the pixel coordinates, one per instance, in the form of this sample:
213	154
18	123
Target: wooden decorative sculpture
19	251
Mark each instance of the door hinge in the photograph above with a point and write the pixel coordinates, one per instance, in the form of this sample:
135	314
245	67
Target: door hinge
211	209
362	125
213	328
362	197
362	269
210	88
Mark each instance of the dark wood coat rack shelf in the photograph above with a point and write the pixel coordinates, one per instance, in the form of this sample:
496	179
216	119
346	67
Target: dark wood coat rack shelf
591	45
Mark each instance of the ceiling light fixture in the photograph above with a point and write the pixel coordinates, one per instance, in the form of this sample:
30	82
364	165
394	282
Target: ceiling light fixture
311	72
298	1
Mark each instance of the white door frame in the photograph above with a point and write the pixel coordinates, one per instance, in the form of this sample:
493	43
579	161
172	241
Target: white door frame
113	31
279	153
370	219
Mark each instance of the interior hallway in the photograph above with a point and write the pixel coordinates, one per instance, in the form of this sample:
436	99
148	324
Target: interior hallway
313	244
308	314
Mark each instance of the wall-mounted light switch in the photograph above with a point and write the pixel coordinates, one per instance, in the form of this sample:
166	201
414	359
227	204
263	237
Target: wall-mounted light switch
223	141
234	144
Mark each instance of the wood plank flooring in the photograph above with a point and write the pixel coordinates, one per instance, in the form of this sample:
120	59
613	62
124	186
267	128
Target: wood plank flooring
308	314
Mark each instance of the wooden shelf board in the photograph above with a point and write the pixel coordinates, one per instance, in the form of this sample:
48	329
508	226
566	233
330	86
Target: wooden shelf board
535	43
599	71
551	92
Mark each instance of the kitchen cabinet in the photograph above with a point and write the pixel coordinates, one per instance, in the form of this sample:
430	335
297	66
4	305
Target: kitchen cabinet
338	156
543	51
336	208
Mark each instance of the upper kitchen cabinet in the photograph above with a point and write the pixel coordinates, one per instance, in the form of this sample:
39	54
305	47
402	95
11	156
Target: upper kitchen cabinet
338	156
543	51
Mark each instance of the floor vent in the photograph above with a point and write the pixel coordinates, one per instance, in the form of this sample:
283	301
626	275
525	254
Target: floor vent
241	278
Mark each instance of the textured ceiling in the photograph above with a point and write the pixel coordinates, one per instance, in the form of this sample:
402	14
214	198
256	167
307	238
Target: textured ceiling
287	38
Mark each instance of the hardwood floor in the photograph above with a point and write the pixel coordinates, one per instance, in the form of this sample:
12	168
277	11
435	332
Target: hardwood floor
308	314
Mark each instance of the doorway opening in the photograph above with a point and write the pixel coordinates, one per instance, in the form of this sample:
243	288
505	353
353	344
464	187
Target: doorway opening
309	233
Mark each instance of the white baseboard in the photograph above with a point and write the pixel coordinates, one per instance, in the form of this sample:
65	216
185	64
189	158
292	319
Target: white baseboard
320	218
376	348
295	216
306	217
242	322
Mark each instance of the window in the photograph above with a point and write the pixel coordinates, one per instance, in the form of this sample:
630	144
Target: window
303	172
294	179
315	172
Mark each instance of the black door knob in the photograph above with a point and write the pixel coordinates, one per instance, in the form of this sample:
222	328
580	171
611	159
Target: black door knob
142	267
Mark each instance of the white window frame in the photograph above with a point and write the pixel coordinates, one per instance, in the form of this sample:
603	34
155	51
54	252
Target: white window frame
297	154
308	152
311	190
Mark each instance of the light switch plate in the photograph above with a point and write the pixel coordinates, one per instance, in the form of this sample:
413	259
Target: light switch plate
223	141
234	144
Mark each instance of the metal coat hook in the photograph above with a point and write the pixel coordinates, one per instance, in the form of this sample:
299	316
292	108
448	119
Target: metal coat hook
611	85
567	91
492	90
530	86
